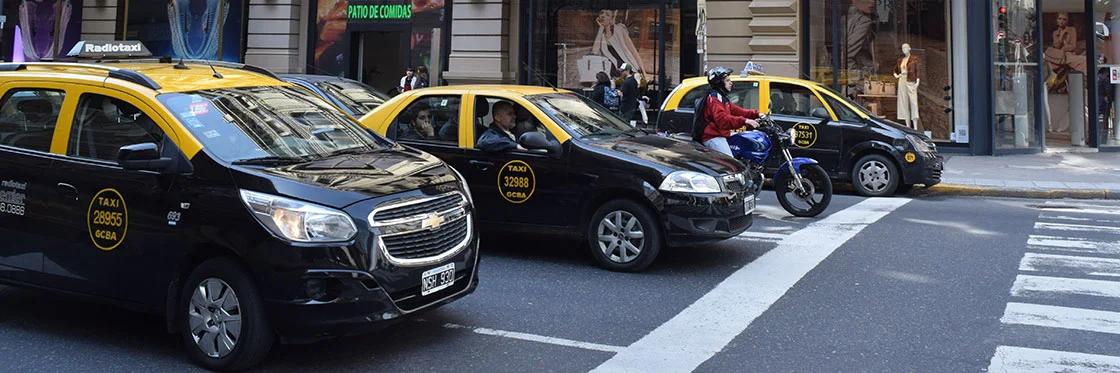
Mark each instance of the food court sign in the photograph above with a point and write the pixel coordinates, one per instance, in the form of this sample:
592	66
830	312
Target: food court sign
359	11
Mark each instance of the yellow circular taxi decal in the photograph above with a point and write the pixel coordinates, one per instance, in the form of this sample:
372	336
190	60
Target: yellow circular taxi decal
806	135
516	181
107	219
910	157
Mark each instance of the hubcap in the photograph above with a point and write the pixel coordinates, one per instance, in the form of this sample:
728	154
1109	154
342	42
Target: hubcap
215	317
621	238
875	176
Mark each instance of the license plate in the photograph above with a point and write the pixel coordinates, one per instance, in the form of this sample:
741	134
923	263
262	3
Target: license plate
748	205
437	279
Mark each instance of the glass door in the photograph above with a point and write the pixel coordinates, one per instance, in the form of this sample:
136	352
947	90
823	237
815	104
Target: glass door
1106	25
1066	72
1015	74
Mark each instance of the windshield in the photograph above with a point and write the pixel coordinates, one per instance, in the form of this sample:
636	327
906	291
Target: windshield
268	122
580	116
356	97
855	106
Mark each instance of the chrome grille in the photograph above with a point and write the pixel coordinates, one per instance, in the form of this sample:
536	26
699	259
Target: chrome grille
736	182
422	231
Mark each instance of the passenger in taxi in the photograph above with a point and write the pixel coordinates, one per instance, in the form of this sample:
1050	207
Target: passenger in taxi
498	137
420	128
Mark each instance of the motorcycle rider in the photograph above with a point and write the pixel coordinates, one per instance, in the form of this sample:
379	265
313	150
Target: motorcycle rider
716	116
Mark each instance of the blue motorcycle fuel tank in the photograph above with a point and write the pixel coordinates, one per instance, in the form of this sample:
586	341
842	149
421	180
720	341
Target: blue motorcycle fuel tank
753	146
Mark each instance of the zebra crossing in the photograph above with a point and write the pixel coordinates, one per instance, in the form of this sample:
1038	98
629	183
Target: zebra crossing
1068	280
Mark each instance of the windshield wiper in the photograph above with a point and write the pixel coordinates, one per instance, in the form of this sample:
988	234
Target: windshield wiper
352	150
270	160
601	134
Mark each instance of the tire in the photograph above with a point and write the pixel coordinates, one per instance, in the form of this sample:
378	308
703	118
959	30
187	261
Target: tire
875	176
612	252
818	182
254	336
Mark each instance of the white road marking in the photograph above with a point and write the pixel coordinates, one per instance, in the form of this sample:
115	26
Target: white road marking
1074	218
1027	285
1080	208
761	236
1031	360
1076	227
703	329
1034	262
1062	317
537	338
1073	244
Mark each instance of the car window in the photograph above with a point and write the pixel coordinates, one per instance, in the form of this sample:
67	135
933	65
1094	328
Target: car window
102	125
523	120
744	94
580	116
843	113
287	122
357	97
28	116
689	99
796	100
428	119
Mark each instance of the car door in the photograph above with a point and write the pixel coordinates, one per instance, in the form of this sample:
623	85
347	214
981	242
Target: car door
794	105
114	221
518	187
28	119
852	125
439	113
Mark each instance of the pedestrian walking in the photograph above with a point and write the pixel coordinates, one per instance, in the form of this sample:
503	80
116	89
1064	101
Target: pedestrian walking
603	93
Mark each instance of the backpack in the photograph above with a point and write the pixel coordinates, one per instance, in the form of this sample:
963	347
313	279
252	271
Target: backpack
698	122
610	97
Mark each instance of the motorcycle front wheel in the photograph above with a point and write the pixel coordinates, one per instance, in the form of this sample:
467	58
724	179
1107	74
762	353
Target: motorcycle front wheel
809	200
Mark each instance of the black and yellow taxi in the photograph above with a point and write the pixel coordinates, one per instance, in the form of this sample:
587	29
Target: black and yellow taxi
572	168
239	207
877	156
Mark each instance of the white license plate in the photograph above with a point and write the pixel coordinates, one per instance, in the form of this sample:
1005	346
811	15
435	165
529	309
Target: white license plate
437	279
748	205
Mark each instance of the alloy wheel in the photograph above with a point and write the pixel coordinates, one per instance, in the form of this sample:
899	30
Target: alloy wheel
214	314
875	176
621	238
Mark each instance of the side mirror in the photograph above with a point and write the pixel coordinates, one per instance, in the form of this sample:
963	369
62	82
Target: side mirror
534	140
143	156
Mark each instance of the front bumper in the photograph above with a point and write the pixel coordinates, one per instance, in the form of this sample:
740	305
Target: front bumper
696	219
925	170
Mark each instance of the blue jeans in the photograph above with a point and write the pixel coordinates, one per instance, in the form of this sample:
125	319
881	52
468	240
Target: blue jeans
719	144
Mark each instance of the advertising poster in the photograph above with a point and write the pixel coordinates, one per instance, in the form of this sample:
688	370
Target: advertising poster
191	29
41	27
590	41
332	42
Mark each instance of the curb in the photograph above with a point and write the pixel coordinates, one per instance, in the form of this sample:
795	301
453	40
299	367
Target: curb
985	191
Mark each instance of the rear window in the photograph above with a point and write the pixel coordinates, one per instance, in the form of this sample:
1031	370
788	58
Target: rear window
357	97
28	117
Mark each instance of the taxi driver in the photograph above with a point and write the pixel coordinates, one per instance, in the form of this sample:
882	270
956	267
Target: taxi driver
498	137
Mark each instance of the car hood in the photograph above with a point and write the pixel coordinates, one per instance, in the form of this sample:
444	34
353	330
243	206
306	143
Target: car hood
342	180
891	125
670	155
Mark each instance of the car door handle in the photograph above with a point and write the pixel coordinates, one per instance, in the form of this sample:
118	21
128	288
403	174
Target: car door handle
67	191
482	165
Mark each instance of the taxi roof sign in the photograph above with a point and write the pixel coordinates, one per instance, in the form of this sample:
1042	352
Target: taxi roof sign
99	49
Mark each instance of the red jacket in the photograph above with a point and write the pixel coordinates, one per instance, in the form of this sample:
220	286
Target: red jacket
721	118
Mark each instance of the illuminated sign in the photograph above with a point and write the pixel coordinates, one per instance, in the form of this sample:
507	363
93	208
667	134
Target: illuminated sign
374	11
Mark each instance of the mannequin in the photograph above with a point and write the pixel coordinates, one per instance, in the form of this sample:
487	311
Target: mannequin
908	72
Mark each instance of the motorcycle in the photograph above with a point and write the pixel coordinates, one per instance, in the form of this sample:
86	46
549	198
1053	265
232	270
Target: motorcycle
801	184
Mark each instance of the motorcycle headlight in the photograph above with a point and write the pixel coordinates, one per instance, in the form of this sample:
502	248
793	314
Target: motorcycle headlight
690	182
463	183
918	143
299	221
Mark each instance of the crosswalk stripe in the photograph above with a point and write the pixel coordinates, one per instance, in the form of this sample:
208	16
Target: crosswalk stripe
1074	244
1074	218
1086	210
1093	204
1029	360
1076	227
1062	317
1027	285
1034	262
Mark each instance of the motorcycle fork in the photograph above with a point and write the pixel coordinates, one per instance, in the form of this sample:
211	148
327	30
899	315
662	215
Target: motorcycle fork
796	176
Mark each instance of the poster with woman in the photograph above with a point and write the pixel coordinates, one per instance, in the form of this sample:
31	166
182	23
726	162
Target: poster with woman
191	29
590	41
43	28
1065	48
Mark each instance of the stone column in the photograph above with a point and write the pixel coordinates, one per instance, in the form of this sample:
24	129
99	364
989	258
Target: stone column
273	41
763	31
482	47
99	20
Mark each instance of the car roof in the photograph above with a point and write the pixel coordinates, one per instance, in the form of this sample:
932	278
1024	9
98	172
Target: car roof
164	76
314	77
700	80
524	90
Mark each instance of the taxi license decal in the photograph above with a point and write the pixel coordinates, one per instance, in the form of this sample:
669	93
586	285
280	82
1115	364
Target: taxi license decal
516	181
107	219
806	135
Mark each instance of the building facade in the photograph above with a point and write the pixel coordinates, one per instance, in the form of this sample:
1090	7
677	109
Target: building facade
1013	77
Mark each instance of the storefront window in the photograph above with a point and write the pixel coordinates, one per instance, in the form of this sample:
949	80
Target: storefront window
1066	73
1106	26
890	56
602	40
191	29
30	32
1015	73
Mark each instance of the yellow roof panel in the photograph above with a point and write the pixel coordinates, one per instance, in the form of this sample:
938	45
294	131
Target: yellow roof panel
170	79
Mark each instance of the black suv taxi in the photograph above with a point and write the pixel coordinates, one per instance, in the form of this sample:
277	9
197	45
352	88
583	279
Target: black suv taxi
240	207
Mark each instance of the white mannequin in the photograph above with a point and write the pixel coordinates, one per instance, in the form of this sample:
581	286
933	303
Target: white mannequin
907	90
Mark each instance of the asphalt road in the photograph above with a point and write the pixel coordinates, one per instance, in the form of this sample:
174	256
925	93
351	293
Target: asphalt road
944	284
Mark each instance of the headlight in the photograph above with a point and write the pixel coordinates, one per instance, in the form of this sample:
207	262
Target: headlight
299	221
690	182
918	143
463	182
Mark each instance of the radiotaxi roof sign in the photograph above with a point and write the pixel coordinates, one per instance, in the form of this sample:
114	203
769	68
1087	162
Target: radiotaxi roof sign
109	49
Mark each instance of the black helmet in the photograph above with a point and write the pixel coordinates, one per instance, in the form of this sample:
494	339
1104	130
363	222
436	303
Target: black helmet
716	76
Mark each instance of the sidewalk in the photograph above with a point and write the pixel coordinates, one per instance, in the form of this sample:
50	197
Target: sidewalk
1048	175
